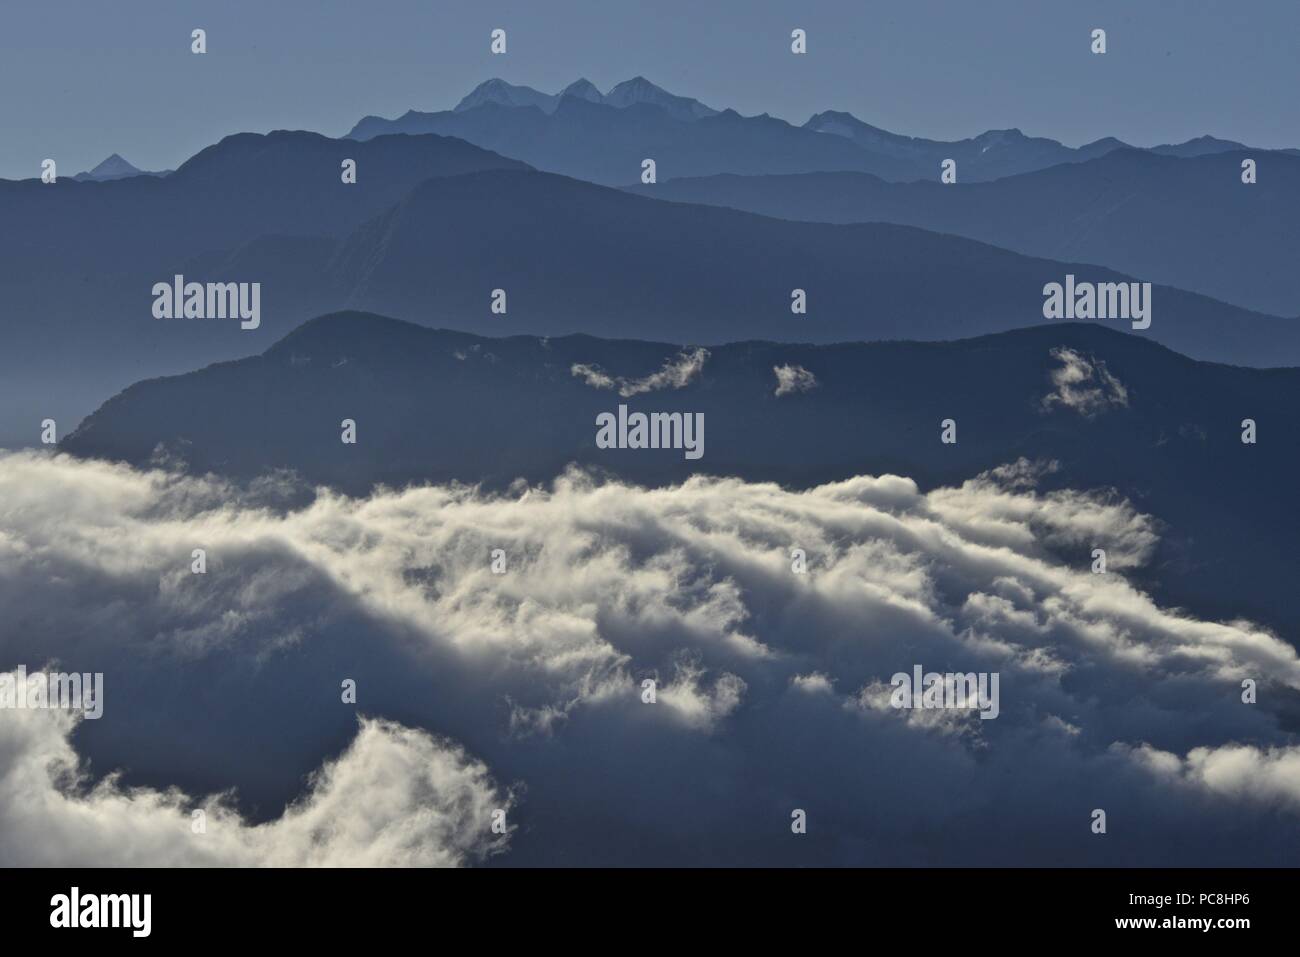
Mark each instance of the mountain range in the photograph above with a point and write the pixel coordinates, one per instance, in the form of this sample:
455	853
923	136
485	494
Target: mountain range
433	225
603	138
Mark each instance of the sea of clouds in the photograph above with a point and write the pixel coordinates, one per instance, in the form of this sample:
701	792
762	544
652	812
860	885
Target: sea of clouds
522	691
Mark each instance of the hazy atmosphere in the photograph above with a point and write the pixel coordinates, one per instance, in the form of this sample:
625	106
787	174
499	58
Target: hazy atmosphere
647	434
97	79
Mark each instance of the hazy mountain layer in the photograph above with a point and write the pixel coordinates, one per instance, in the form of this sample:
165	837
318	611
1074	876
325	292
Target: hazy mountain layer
1190	223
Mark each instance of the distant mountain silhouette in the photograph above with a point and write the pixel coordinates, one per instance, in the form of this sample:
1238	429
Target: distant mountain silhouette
1209	145
583	133
245	186
576	257
1189	222
115	167
436	405
988	156
606	143
571	257
999	153
78	259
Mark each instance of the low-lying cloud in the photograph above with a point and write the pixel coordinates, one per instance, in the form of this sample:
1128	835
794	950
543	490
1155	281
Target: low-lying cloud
771	686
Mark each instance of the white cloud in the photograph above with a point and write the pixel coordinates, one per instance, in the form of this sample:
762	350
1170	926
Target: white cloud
1269	776
1084	385
792	378
395	797
812	683
676	373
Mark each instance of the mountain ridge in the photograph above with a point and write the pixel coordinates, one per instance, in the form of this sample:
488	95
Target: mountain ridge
541	139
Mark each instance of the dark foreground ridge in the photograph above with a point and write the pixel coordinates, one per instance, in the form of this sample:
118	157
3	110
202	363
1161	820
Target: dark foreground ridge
1112	410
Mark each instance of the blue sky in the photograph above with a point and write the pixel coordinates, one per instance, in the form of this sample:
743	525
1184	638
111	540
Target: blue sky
85	79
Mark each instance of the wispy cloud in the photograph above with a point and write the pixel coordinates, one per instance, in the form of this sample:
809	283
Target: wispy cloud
793	378
1084	385
677	372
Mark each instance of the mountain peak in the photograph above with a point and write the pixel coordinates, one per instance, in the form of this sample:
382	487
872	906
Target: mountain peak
1199	146
638	81
500	92
584	89
115	164
842	124
637	89
640	90
114	167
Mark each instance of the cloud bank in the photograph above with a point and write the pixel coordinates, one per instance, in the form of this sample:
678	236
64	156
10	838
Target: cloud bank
771	684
